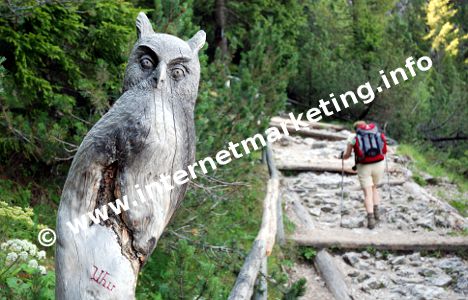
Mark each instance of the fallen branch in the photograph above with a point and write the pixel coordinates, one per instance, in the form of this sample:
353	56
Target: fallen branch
332	275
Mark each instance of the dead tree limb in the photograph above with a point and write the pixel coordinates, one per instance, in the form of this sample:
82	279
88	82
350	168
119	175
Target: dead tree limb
332	275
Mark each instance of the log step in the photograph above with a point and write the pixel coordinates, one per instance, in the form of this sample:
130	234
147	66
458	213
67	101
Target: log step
384	240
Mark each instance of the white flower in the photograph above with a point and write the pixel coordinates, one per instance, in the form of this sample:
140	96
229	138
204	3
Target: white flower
16	247
32	249
11	257
3	246
42	269
33	263
23	255
41	254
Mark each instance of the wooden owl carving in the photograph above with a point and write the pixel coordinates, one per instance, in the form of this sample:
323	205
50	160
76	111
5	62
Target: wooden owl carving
149	132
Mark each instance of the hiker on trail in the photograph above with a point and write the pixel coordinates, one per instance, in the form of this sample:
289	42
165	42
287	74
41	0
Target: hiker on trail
369	147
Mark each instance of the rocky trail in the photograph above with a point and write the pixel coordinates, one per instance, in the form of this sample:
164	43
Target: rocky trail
389	262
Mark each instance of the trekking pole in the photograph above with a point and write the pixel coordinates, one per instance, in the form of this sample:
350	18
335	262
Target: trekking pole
388	177
342	189
386	165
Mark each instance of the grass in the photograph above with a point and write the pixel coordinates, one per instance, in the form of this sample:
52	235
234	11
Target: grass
432	162
206	244
437	164
461	205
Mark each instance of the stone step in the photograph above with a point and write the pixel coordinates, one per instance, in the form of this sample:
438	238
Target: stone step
385	240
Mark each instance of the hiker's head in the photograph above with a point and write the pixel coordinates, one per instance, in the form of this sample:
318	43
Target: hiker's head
358	124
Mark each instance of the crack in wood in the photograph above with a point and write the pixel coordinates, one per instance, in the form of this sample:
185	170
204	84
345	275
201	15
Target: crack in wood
109	191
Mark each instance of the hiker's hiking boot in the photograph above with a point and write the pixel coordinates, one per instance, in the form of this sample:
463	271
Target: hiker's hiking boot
376	213
370	221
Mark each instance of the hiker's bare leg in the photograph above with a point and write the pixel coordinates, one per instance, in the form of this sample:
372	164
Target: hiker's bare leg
376	196
368	195
376	200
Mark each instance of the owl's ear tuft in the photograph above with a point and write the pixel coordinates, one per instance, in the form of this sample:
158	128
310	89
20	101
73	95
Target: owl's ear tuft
143	25
197	41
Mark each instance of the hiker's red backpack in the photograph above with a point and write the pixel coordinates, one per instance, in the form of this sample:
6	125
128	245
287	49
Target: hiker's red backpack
370	145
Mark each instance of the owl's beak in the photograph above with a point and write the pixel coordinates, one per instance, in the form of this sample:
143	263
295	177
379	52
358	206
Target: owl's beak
159	75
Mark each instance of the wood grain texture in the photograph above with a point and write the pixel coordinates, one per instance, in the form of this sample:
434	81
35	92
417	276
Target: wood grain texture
148	132
331	274
385	240
264	242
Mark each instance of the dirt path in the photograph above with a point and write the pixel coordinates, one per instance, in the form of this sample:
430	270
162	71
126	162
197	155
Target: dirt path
313	202
315	286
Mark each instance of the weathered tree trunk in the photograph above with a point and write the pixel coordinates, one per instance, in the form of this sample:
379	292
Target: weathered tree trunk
148	133
220	17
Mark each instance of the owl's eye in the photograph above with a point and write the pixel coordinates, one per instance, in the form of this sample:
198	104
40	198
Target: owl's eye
178	73
146	63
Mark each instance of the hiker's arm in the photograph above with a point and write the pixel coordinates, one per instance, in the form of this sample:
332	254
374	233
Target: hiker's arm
347	153
384	149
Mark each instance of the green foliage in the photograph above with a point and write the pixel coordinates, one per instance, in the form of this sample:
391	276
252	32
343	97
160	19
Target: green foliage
251	87
419	179
21	276
174	17
444	33
343	47
62	65
185	273
434	162
437	164
2	73
309	253
65	60
297	290
371	250
17	222
208	240
346	44
461	205
15	194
